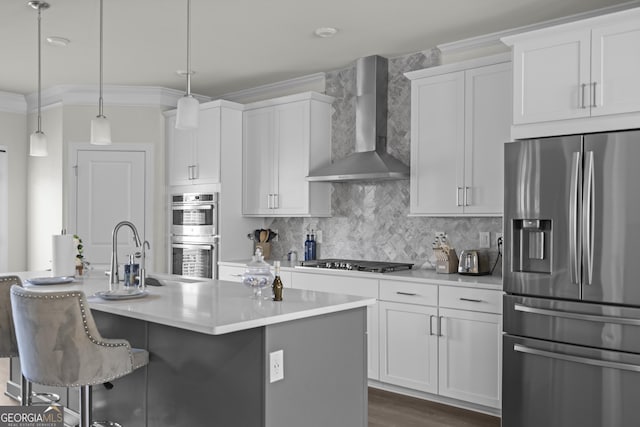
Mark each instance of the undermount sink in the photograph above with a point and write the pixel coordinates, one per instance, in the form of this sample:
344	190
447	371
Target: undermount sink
168	279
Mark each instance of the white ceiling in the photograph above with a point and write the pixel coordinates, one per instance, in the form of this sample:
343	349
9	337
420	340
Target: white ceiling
239	44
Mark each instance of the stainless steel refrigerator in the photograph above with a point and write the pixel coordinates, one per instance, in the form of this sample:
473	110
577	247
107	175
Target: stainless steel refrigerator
571	350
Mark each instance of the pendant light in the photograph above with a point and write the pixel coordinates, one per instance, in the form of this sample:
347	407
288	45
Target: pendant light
38	140
100	127
188	105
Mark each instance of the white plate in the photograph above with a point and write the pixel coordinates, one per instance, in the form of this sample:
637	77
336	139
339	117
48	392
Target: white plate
121	294
50	280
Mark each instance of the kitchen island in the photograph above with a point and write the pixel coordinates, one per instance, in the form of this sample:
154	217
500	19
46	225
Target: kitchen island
210	344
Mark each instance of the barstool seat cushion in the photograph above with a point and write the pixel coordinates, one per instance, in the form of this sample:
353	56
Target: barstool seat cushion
60	344
8	344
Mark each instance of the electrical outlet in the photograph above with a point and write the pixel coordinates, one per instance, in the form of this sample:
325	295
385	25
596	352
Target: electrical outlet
276	366
318	236
485	239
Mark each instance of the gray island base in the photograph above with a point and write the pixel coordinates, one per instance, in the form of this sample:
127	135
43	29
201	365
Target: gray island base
209	358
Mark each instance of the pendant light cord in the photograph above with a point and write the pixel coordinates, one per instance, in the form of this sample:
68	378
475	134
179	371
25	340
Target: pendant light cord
100	98
188	47
39	70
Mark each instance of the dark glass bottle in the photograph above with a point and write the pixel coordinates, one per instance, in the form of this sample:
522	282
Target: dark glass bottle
307	249
277	283
312	246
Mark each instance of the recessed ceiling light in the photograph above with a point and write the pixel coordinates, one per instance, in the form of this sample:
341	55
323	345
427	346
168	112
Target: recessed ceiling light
183	73
58	41
325	32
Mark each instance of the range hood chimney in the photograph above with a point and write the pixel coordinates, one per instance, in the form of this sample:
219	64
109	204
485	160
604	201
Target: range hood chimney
370	160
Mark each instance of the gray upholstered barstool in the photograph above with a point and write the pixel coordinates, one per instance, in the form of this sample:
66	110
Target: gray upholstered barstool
8	345
60	345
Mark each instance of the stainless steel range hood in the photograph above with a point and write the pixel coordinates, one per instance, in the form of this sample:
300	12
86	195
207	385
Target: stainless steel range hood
370	160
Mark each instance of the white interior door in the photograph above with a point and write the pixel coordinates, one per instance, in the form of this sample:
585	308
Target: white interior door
110	187
4	210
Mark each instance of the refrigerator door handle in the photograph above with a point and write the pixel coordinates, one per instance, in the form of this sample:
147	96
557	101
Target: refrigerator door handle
577	316
587	216
574	237
577	359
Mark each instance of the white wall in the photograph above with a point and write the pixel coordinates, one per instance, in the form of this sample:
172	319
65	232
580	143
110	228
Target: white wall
13	136
44	191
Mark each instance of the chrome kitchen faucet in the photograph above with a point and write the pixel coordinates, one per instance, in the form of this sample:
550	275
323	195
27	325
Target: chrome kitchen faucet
114	277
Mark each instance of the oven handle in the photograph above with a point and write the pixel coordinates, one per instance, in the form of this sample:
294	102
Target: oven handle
578	359
191	246
207	207
578	316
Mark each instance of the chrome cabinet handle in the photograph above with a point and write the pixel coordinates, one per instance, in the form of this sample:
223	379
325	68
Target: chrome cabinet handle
440	326
574	236
276	201
431	316
583	105
458	189
470	300
269	201
576	359
577	316
466	196
406	293
587	216
594	104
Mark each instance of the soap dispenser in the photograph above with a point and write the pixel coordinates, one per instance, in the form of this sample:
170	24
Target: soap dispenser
131	272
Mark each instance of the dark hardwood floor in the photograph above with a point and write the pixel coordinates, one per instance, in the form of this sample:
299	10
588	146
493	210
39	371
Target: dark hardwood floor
394	410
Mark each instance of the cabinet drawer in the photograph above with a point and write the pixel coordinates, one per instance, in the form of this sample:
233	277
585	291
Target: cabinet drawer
408	292
485	300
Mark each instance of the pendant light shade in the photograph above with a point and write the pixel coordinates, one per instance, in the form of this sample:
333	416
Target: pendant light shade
100	126
38	144
188	112
100	131
38	140
188	106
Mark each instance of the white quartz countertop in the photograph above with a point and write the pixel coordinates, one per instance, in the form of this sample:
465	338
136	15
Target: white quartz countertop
414	275
212	307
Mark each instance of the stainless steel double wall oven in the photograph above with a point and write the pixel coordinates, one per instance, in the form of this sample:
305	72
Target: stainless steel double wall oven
194	234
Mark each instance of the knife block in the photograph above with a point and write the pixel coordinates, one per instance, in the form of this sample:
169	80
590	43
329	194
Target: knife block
446	261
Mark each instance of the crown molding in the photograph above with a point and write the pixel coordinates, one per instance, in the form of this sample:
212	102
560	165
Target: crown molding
493	39
12	103
145	96
312	82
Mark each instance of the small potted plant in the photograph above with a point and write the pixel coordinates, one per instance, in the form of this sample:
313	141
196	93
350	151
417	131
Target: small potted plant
77	242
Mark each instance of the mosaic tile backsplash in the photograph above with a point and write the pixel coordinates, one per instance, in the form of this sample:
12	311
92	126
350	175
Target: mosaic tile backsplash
370	219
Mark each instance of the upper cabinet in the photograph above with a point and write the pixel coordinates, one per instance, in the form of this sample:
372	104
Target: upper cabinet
577	77
283	139
194	155
460	120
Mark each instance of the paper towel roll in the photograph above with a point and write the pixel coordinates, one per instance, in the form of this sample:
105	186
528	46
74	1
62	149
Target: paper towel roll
63	261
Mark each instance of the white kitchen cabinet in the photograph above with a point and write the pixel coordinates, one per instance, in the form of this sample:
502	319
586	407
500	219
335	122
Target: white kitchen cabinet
409	346
469	352
440	339
283	139
577	77
194	155
460	120
366	287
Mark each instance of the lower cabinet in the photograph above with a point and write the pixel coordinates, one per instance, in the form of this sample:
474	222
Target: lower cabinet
408	346
452	352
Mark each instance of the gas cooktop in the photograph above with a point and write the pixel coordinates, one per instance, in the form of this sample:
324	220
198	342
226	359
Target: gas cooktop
356	265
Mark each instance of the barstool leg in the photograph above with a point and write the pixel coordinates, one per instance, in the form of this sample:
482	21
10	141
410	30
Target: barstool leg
85	406
25	392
